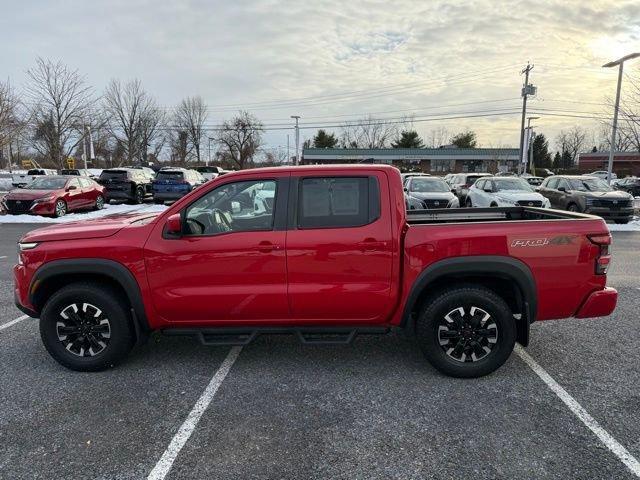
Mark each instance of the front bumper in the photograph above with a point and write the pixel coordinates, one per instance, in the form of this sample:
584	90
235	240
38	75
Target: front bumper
604	212
599	304
21	283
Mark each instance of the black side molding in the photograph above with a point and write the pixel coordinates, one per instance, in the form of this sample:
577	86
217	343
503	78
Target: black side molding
507	268
97	266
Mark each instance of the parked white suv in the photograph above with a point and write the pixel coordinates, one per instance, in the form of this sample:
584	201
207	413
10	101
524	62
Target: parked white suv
504	192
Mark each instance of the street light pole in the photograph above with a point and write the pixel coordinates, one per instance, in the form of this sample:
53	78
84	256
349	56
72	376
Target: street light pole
620	63
297	117
529	144
208	151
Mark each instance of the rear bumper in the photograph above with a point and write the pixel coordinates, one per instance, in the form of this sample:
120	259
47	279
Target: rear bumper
169	195
599	304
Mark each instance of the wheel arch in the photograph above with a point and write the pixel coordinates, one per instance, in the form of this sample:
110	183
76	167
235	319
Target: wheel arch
508	277
54	275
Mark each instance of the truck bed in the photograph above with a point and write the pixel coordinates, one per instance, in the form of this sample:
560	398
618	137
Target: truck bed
494	214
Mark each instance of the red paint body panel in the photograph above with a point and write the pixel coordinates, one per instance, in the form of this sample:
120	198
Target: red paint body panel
78	199
332	276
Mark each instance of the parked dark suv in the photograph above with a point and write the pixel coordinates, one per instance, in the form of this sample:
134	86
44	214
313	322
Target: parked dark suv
129	184
461	182
630	185
587	195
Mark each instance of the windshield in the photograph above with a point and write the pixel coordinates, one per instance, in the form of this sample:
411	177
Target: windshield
511	184
428	185
589	185
47	183
69	172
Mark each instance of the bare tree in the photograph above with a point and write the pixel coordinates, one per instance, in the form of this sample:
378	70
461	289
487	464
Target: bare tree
135	120
191	116
61	102
11	123
438	137
180	147
572	141
239	139
370	133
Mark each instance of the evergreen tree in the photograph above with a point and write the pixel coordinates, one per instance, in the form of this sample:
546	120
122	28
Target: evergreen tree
557	160
465	140
324	140
541	155
408	139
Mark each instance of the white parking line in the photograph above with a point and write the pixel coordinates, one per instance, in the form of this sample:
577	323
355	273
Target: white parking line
165	463
2	256
611	443
13	322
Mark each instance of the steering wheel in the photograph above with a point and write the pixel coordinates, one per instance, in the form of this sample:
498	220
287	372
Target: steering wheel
219	213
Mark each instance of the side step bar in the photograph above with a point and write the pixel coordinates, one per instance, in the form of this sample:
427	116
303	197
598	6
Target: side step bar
306	335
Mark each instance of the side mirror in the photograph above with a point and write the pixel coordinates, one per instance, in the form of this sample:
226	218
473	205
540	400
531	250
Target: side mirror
236	207
174	225
562	189
71	187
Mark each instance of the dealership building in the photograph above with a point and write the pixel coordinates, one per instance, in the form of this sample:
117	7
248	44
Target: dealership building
624	163
429	160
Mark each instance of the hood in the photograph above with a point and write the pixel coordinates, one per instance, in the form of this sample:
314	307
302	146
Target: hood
432	195
83	229
520	196
23	194
613	195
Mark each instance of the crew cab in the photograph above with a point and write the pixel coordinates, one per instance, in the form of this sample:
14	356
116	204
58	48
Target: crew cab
338	255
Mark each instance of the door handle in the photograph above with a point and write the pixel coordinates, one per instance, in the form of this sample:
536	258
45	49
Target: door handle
371	244
266	246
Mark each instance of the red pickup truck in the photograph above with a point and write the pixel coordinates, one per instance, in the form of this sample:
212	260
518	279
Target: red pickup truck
321	252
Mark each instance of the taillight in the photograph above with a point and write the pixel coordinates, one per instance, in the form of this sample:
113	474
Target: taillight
466	185
603	259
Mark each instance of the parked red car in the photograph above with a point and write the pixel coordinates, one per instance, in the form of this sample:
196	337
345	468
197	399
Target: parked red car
55	195
337	255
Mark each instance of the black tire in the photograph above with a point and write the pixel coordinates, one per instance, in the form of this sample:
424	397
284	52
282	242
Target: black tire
60	208
99	205
572	207
139	196
112	340
622	221
494	205
157	201
440	344
467	203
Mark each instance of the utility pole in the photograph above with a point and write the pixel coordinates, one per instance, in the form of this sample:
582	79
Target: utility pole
84	147
619	62
288	154
526	90
208	151
297	117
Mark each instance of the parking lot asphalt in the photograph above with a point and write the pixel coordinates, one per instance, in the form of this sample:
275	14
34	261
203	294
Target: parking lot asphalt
374	409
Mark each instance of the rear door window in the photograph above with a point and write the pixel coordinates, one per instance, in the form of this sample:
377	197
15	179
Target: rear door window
326	202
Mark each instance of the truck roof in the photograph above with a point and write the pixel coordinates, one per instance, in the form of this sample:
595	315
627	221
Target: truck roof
318	168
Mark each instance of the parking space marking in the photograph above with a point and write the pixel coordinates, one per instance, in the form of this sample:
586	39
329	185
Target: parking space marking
611	443
2	256
13	322
165	463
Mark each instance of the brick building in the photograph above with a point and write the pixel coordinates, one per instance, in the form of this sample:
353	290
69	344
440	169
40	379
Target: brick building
624	163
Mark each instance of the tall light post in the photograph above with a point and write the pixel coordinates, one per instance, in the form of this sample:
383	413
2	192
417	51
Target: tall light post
529	144
208	151
297	117
620	63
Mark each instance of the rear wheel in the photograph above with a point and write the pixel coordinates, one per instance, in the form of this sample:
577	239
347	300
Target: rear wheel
85	327
139	197
572	207
157	201
466	331
60	209
99	203
467	203
622	221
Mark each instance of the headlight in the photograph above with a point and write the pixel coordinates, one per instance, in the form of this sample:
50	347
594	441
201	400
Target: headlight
508	201
23	246
48	198
546	203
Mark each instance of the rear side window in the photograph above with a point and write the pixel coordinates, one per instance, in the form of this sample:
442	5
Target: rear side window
326	202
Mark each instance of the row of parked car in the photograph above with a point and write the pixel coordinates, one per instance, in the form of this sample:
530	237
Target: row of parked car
576	193
47	192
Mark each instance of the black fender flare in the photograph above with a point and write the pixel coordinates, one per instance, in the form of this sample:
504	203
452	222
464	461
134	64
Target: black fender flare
107	268
508	268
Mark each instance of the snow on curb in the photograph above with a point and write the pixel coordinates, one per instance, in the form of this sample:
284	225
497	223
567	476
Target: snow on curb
72	217
632	226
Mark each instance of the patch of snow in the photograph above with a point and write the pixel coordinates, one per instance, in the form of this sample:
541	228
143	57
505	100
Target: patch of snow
632	226
5	184
84	215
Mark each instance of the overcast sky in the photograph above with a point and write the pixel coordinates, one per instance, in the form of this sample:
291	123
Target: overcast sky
329	61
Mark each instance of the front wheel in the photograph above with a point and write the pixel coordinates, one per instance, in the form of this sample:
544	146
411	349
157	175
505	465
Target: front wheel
139	196
85	327
573	208
466	331
99	203
60	209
